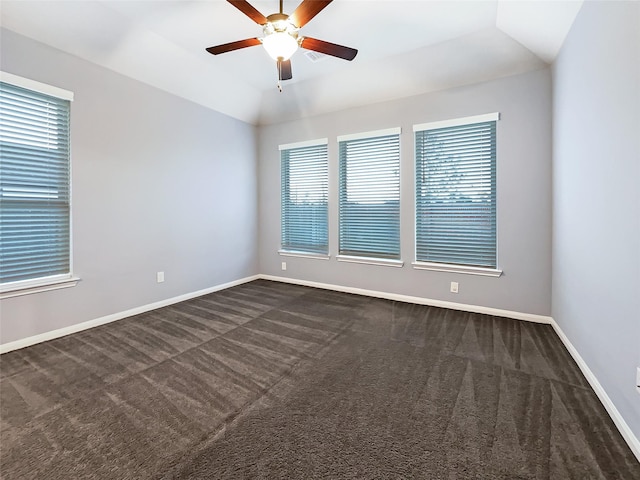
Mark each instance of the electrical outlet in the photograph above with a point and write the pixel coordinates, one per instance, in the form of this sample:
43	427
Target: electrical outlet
284	265
160	277
454	287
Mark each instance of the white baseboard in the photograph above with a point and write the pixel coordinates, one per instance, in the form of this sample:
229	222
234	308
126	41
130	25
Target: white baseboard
529	317
608	404
61	332
43	337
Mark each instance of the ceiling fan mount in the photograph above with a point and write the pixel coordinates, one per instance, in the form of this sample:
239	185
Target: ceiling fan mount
281	38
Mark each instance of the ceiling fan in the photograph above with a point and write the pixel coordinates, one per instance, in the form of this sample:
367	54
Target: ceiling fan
281	38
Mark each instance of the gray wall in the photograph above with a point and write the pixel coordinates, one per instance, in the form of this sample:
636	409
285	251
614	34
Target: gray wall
159	184
524	194
596	192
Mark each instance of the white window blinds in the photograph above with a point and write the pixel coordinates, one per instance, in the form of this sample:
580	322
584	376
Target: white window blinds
369	194
34	184
304	197
456	191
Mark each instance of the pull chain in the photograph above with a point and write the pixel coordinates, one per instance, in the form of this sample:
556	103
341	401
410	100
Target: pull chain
279	74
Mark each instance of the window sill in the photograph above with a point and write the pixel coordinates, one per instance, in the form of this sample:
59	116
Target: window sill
28	287
315	256
382	262
443	267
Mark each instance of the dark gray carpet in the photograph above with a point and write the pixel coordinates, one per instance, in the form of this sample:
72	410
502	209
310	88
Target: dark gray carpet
268	380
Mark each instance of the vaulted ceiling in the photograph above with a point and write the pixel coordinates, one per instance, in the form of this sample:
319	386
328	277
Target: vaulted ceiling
405	47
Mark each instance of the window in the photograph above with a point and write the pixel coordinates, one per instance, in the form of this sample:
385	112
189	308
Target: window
304	197
34	185
369	197
456	193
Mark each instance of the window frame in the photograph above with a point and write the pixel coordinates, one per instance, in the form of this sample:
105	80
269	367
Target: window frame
288	252
364	258
453	267
50	282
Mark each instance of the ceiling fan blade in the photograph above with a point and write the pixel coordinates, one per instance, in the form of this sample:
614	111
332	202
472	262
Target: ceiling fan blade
250	11
307	10
284	70
228	47
328	48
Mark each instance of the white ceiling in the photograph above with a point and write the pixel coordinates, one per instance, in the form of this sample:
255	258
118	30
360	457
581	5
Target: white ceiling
405	47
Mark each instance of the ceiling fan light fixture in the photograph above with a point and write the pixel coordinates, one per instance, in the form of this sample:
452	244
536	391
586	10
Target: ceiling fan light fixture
280	45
